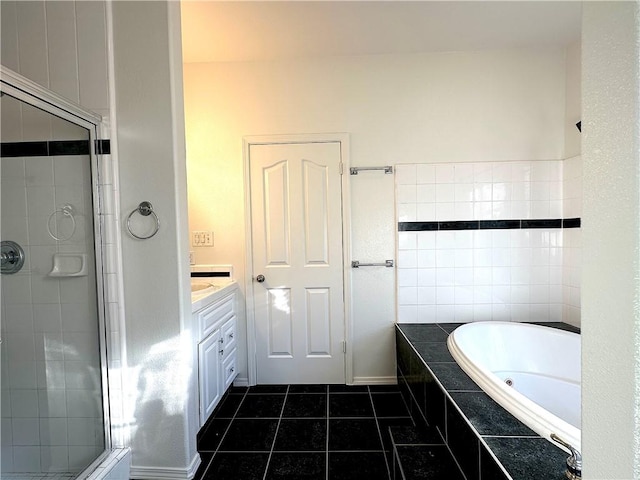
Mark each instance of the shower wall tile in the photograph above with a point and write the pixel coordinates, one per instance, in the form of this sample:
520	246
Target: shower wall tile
37	39
24	403
26	459
62	49
32	41
54	458
52	403
92	55
9	28
25	431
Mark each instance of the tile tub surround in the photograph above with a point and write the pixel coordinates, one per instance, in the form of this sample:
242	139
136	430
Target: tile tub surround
486	440
489	240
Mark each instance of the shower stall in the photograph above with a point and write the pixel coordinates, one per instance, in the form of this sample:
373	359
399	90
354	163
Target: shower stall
54	404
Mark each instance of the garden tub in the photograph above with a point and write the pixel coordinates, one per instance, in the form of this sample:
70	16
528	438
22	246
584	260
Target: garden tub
532	371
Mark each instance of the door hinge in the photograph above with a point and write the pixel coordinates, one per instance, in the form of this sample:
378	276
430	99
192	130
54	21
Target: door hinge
341	168
344	346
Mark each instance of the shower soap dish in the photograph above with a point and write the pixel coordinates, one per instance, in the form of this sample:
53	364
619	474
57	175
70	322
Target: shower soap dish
69	265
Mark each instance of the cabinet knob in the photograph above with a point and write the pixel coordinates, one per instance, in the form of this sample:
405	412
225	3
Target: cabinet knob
231	370
231	335
221	340
260	278
221	352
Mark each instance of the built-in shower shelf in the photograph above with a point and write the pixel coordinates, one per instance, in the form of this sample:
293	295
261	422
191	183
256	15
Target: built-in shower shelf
69	265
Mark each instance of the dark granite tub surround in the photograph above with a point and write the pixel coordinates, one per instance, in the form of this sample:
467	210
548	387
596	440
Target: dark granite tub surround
488	443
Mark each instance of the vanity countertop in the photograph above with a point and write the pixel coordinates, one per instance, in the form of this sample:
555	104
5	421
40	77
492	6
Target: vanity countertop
206	296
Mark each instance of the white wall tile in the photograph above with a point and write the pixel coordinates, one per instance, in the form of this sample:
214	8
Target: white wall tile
426	277
407	213
463	173
54	458
53	431
427	313
407	314
32	41
445	192
425	259
426	212
425	173
407	277
62	53
24	403
92	55
26	459
426	193
25	431
52	402
445	173
50	374
9	44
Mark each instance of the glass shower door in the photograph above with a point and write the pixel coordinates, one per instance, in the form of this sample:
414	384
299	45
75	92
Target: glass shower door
52	361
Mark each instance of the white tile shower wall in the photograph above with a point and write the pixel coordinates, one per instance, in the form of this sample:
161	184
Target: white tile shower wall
59	45
62	46
51	402
472	275
50	411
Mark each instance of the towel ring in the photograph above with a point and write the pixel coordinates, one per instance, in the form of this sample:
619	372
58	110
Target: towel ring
66	211
145	209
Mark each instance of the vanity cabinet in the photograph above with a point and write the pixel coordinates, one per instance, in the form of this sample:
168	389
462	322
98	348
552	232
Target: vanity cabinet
217	342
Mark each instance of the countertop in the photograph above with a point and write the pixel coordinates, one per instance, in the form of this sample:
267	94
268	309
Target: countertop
202	300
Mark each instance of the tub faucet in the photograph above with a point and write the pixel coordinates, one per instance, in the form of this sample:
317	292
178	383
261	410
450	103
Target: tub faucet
574	461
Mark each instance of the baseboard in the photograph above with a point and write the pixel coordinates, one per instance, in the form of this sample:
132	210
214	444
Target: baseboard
153	473
241	382
375	381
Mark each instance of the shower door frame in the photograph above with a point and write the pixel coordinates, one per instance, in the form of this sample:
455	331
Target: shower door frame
31	93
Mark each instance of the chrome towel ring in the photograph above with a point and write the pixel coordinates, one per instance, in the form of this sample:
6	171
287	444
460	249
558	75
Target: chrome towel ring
64	212
145	209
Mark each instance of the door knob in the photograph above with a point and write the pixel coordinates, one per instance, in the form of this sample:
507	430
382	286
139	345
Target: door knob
260	278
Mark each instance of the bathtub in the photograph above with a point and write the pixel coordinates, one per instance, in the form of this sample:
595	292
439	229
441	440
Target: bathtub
531	370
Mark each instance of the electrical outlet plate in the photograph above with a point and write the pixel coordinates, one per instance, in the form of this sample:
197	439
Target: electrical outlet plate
202	238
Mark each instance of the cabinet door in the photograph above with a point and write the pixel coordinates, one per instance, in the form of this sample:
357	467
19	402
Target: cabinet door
209	374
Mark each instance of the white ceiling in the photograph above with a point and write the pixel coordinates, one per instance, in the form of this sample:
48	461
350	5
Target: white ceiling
219	31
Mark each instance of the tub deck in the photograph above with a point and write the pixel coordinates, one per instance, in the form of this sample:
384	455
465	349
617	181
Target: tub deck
486	440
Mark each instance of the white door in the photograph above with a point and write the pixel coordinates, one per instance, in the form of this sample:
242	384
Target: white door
296	217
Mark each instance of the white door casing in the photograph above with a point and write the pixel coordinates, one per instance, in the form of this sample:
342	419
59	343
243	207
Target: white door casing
297	314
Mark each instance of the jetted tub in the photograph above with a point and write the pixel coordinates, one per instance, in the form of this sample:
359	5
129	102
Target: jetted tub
531	370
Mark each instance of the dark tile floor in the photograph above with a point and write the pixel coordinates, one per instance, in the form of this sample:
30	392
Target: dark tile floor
324	432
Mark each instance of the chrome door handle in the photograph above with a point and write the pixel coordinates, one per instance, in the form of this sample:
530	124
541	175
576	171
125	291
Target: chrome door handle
260	278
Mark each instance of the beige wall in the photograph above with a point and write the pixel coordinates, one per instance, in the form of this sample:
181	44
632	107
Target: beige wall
483	106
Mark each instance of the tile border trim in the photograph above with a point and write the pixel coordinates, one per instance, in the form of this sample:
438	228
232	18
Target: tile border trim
489	224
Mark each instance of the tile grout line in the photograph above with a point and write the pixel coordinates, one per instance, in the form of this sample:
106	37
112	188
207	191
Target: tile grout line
375	416
275	437
224	434
326	443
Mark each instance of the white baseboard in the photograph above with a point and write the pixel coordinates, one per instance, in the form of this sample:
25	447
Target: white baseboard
375	380
241	382
154	473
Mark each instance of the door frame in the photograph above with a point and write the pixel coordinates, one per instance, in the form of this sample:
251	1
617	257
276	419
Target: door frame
343	140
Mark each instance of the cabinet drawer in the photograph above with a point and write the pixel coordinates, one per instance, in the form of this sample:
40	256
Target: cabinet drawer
219	311
229	369
228	334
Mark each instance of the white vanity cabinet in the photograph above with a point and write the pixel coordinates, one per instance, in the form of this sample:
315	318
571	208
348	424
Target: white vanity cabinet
217	342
